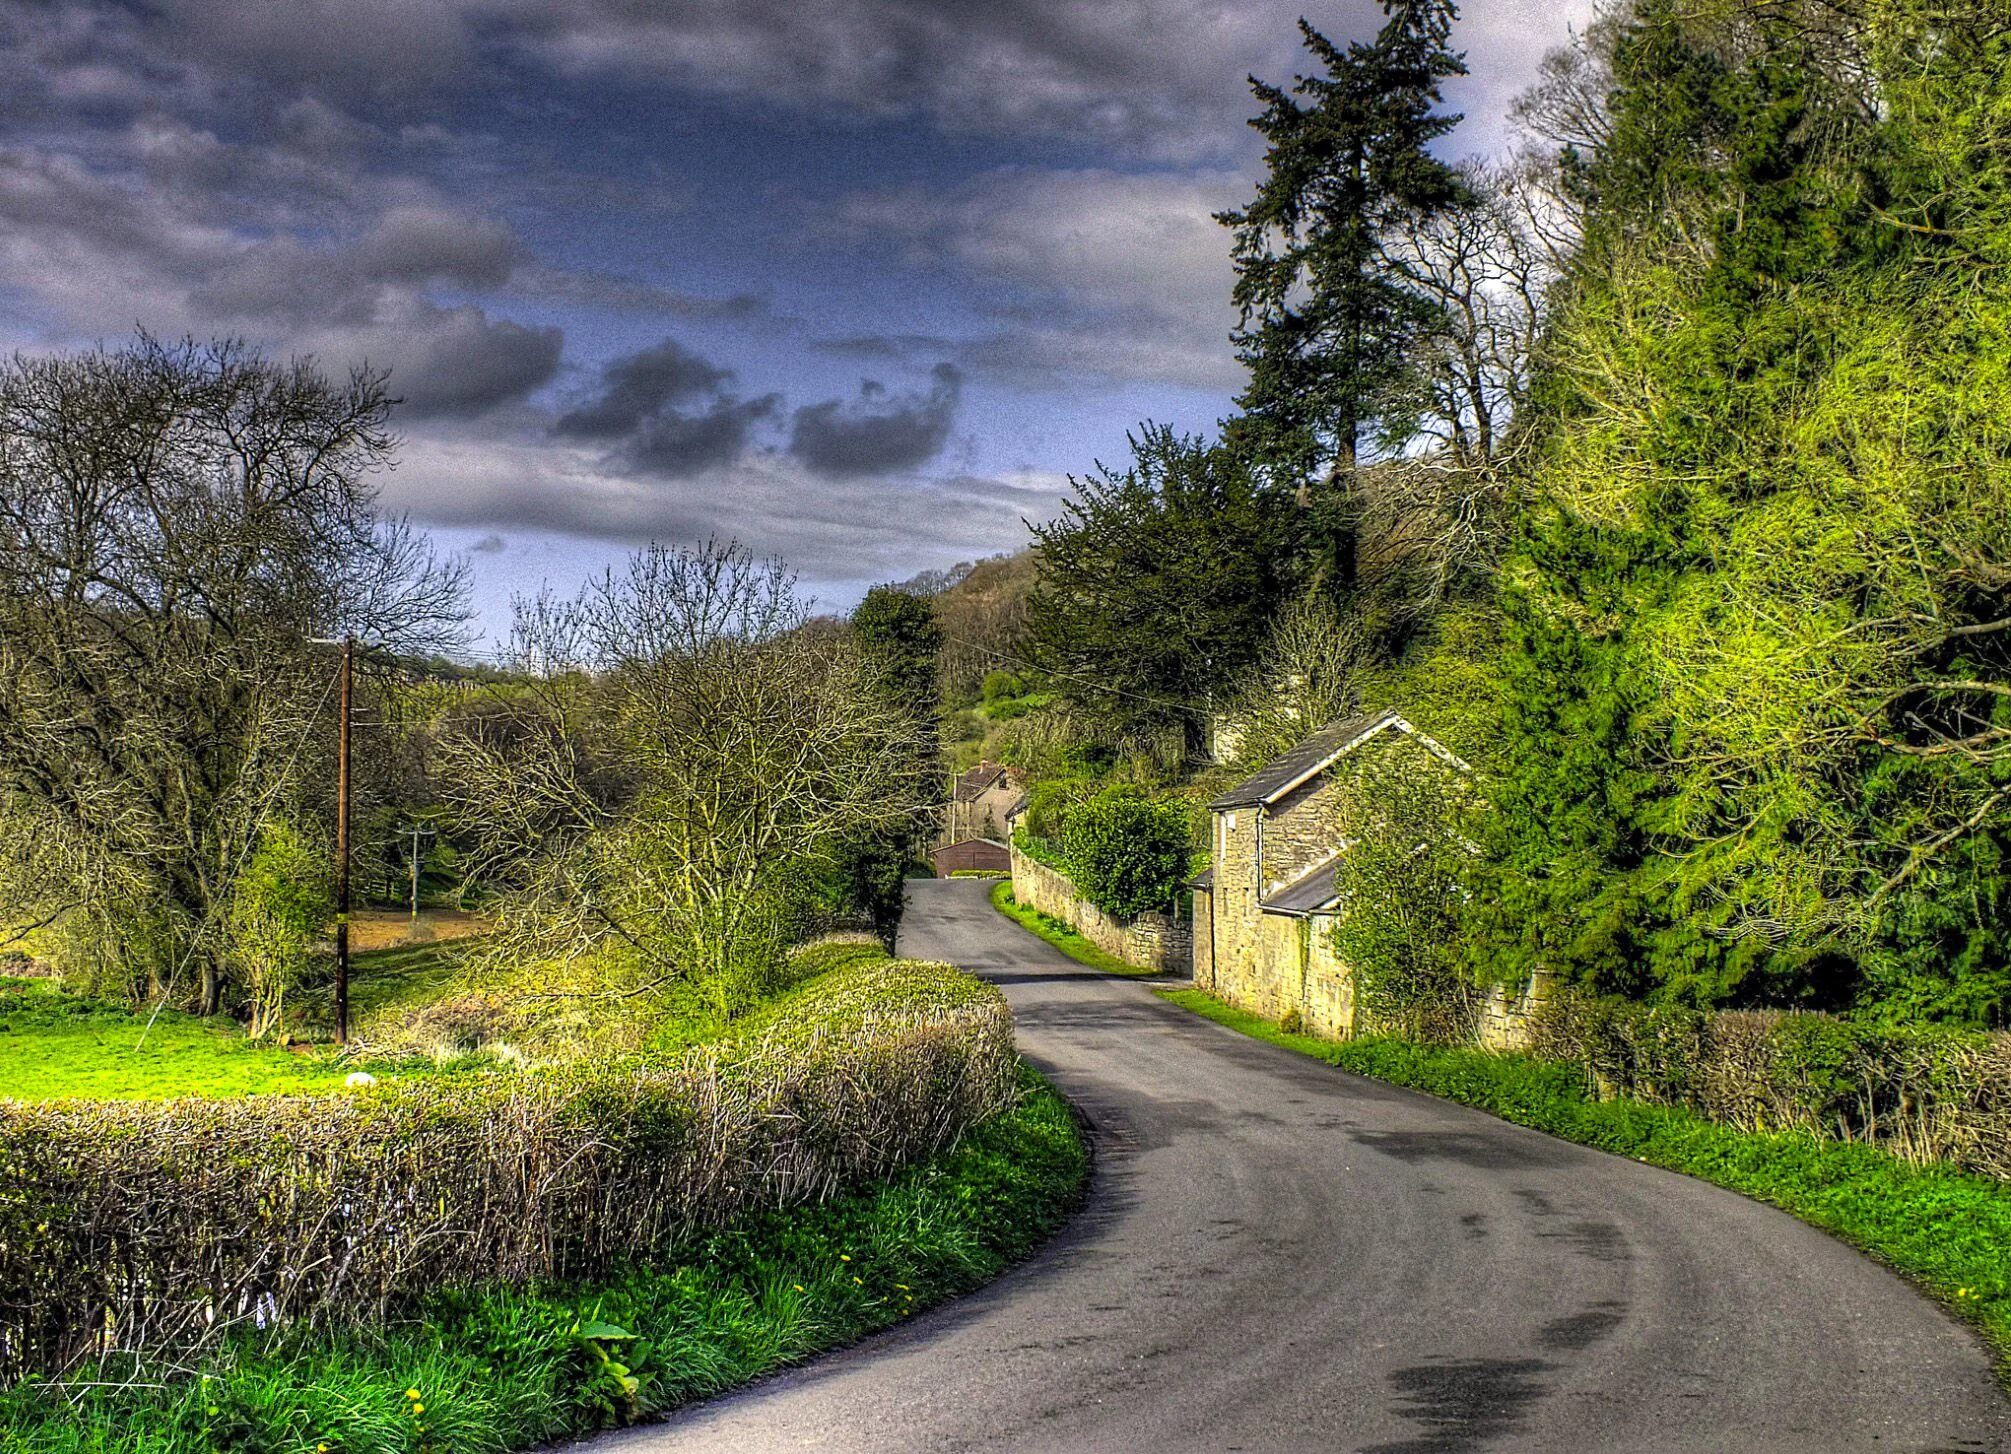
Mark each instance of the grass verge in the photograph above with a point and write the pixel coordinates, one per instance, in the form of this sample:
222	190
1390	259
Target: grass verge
511	1368
1062	935
1947	1231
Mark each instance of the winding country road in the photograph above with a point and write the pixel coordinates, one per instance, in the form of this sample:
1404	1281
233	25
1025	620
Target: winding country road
1279	1256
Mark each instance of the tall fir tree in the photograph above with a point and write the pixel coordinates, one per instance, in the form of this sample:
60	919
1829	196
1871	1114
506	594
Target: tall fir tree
1327	321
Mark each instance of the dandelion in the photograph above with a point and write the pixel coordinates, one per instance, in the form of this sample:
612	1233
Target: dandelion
843	1257
857	1280
413	1394
797	1285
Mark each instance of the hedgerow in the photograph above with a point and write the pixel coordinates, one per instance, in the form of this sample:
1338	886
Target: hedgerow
1925	1093
155	1227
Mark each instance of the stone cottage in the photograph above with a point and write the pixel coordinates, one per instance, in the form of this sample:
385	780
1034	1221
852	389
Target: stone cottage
1264	912
980	801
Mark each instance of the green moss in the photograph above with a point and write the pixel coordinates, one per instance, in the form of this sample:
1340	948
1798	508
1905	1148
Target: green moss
1061	935
1945	1230
512	1368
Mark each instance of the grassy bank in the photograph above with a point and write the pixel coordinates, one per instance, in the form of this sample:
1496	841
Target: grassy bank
1947	1231
511	1368
1061	935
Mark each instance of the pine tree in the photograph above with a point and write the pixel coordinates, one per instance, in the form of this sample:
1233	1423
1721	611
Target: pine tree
1326	320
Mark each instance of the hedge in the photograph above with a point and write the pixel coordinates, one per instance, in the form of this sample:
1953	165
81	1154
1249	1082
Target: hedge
154	1227
1924	1093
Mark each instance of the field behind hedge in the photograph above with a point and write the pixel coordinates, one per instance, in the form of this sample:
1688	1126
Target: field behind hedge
151	1229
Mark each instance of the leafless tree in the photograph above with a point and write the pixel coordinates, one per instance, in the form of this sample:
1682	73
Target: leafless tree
176	521
684	754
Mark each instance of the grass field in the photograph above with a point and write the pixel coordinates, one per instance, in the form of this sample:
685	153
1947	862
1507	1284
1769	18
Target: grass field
485	1371
54	1043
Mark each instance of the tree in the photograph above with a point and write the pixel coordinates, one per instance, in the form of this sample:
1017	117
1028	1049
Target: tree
1761	654
659	797
1155	584
280	910
900	647
1328	323
175	522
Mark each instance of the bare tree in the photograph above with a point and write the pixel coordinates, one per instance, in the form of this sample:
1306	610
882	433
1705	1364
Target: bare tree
175	522
685	752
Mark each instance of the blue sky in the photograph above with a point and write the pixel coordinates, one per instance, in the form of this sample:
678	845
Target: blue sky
857	282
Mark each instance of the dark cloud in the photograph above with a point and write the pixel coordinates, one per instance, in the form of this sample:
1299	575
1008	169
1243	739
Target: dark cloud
678	444
877	432
635	387
667	411
473	363
489	545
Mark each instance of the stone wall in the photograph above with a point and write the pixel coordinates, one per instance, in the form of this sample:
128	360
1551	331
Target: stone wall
1150	941
1504	1018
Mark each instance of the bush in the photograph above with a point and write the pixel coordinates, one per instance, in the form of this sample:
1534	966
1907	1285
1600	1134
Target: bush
1127	852
280	907
159	1226
1921	1092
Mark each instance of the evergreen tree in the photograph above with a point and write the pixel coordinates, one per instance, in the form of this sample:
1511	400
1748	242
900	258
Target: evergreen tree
901	644
1327	320
1156	584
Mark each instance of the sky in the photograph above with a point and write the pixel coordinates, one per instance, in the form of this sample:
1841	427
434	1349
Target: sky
857	283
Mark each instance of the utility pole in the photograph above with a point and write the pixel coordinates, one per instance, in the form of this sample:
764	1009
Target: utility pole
342	844
417	829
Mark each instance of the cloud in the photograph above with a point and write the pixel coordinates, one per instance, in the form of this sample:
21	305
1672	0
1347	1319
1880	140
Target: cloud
667	411
635	387
489	545
833	527
877	432
1108	274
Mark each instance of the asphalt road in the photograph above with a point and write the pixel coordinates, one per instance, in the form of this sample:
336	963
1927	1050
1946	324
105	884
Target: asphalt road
1279	1256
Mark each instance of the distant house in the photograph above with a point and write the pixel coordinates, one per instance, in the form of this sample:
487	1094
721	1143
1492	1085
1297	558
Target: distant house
980	802
1264	912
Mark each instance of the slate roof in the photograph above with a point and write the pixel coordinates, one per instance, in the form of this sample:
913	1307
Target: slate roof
1308	757
1310	895
974	782
1204	880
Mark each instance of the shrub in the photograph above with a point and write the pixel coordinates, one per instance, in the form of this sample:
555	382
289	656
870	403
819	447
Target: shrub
1925	1093
1127	852
159	1226
280	907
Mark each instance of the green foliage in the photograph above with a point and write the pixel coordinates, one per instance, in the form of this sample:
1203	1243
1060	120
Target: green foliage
1126	851
1000	686
280	908
1405	884
475	1372
900	641
1155	583
1943	1229
1757	670
1061	934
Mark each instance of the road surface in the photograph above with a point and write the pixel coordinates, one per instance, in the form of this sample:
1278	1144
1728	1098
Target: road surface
1279	1256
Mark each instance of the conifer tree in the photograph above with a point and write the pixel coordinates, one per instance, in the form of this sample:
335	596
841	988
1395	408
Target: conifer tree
1326	319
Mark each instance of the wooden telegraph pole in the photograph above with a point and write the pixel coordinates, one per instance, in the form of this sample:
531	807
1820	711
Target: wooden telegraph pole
342	844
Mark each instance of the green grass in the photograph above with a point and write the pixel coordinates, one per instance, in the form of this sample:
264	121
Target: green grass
508	1369
54	1043
1062	935
1947	1231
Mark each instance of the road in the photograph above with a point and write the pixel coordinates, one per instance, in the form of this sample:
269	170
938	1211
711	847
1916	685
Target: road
1279	1256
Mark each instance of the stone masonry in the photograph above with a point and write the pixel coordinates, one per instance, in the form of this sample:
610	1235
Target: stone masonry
1150	941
